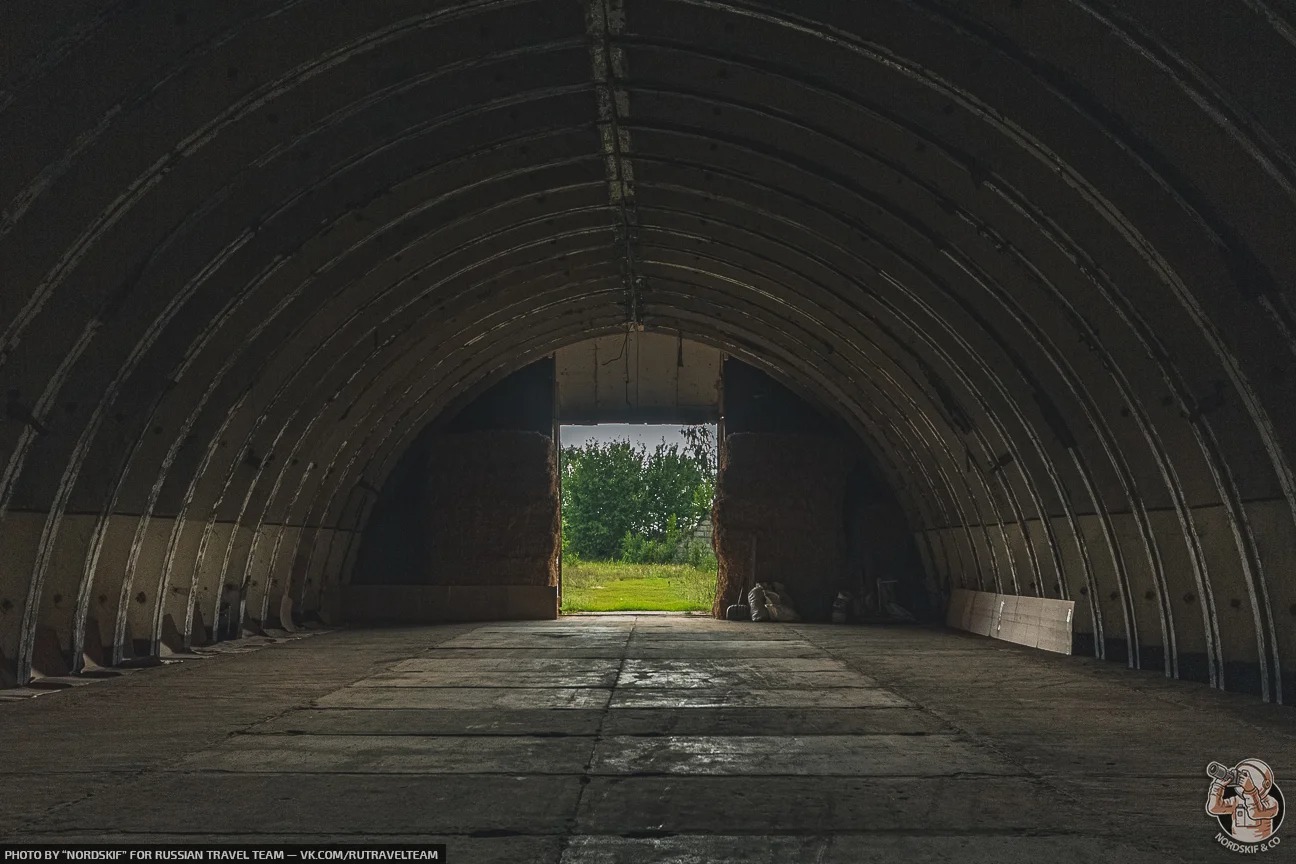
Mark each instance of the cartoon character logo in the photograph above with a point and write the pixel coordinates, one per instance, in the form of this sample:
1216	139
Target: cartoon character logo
1247	802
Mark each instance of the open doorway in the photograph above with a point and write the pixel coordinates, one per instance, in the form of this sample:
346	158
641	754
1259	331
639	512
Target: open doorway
636	518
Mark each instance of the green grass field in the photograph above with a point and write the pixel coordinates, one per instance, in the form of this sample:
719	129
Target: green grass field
610	586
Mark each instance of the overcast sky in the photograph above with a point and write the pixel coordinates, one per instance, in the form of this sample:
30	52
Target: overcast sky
638	433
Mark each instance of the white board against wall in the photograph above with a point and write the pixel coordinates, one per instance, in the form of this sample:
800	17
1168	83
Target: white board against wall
1034	621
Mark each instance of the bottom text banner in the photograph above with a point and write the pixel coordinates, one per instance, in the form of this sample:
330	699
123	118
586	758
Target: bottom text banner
210	852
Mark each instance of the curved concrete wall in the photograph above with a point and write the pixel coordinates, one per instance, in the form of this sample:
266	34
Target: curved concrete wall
1038	254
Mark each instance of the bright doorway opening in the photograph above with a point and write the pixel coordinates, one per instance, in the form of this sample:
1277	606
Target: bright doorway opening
636	518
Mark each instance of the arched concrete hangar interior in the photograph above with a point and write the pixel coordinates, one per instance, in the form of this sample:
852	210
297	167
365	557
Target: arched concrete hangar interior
1037	257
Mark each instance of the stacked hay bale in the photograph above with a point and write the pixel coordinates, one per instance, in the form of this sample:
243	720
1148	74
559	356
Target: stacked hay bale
785	494
492	515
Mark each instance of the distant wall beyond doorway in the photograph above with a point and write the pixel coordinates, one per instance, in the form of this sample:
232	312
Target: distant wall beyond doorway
638	378
799	501
778	518
470	530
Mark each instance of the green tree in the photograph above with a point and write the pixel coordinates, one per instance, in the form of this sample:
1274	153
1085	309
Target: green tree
601	490
624	501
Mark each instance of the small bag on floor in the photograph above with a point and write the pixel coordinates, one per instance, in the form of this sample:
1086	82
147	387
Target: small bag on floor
769	601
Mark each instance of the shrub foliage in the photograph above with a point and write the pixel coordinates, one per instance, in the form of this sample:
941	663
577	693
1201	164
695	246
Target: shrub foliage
624	502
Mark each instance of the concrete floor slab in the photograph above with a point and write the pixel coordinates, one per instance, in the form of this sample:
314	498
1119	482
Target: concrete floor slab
681	674
466	698
774	721
704	649
392	754
279	803
848	849
785	665
529	639
958	749
742	697
822	805
896	756
450	660
543	652
28	799
467	677
537	648
1082	753
444	721
576	722
718	634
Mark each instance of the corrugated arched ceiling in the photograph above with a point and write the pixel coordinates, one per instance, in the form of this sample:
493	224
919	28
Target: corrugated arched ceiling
1039	254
